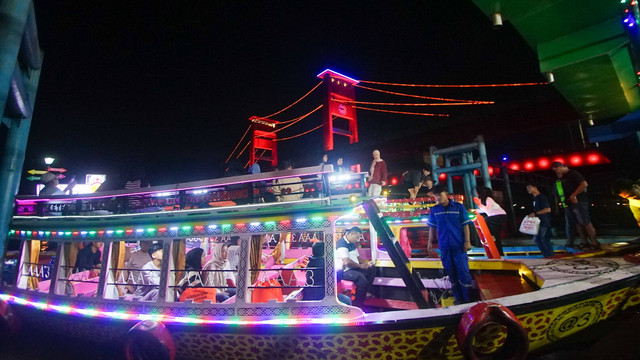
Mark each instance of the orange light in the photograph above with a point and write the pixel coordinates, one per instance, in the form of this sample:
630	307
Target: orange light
394	181
442	176
529	165
543	163
514	166
575	160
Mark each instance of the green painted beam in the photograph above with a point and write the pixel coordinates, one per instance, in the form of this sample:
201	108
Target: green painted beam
584	44
543	20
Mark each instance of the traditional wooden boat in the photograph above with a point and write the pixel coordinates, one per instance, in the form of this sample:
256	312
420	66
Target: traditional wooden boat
522	304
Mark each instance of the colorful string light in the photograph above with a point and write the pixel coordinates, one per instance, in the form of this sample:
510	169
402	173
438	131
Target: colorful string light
187	229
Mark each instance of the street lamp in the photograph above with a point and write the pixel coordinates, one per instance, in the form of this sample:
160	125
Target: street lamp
49	160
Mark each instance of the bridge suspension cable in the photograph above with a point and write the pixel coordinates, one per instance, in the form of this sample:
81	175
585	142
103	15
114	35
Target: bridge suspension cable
296	120
414	96
401	112
456	86
303	133
235	148
414	104
297	101
243	149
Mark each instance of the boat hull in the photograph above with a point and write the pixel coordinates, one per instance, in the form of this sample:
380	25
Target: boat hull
416	334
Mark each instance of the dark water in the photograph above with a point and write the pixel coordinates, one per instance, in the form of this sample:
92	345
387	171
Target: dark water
617	338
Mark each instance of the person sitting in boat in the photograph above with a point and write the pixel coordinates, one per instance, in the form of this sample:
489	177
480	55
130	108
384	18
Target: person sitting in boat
89	257
217	272
288	189
314	288
451	220
192	267
134	261
151	272
352	267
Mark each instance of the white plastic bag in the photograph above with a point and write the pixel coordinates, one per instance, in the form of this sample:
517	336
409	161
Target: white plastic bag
530	225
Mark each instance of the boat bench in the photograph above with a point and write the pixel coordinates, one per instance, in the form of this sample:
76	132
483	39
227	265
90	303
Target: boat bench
493	285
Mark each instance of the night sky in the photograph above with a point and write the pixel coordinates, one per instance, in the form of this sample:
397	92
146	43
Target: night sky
169	86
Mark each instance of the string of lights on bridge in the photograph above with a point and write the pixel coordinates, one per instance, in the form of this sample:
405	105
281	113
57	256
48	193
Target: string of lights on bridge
377	106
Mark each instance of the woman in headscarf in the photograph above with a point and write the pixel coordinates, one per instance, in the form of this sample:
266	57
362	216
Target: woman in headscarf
217	272
193	268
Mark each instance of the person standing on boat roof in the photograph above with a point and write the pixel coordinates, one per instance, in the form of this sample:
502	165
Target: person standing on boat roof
288	189
377	175
542	210
340	166
451	220
571	188
50	181
352	267
629	190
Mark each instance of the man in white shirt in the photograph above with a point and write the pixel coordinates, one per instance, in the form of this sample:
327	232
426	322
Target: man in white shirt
151	271
352	266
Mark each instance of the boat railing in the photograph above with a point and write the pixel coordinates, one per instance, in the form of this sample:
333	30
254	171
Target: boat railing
316	181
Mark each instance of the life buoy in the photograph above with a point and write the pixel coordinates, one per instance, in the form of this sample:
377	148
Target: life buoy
9	324
149	340
515	347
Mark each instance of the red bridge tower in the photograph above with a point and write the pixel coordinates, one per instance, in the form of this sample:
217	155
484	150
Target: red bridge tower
339	114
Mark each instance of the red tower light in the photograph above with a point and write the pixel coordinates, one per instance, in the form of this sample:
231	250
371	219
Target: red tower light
442	177
394	181
476	172
593	158
560	160
514	166
575	160
543	163
529	165
490	170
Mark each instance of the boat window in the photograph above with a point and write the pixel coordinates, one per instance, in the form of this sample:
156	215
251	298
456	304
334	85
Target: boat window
278	267
412	239
204	268
36	265
417	239
11	261
79	268
132	274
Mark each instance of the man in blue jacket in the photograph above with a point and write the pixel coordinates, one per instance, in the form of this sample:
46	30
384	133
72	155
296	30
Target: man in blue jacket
452	221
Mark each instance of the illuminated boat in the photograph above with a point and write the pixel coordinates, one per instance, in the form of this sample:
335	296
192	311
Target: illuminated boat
523	305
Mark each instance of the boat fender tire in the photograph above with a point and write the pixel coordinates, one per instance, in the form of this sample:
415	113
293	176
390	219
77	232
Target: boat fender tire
478	316
9	324
149	340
